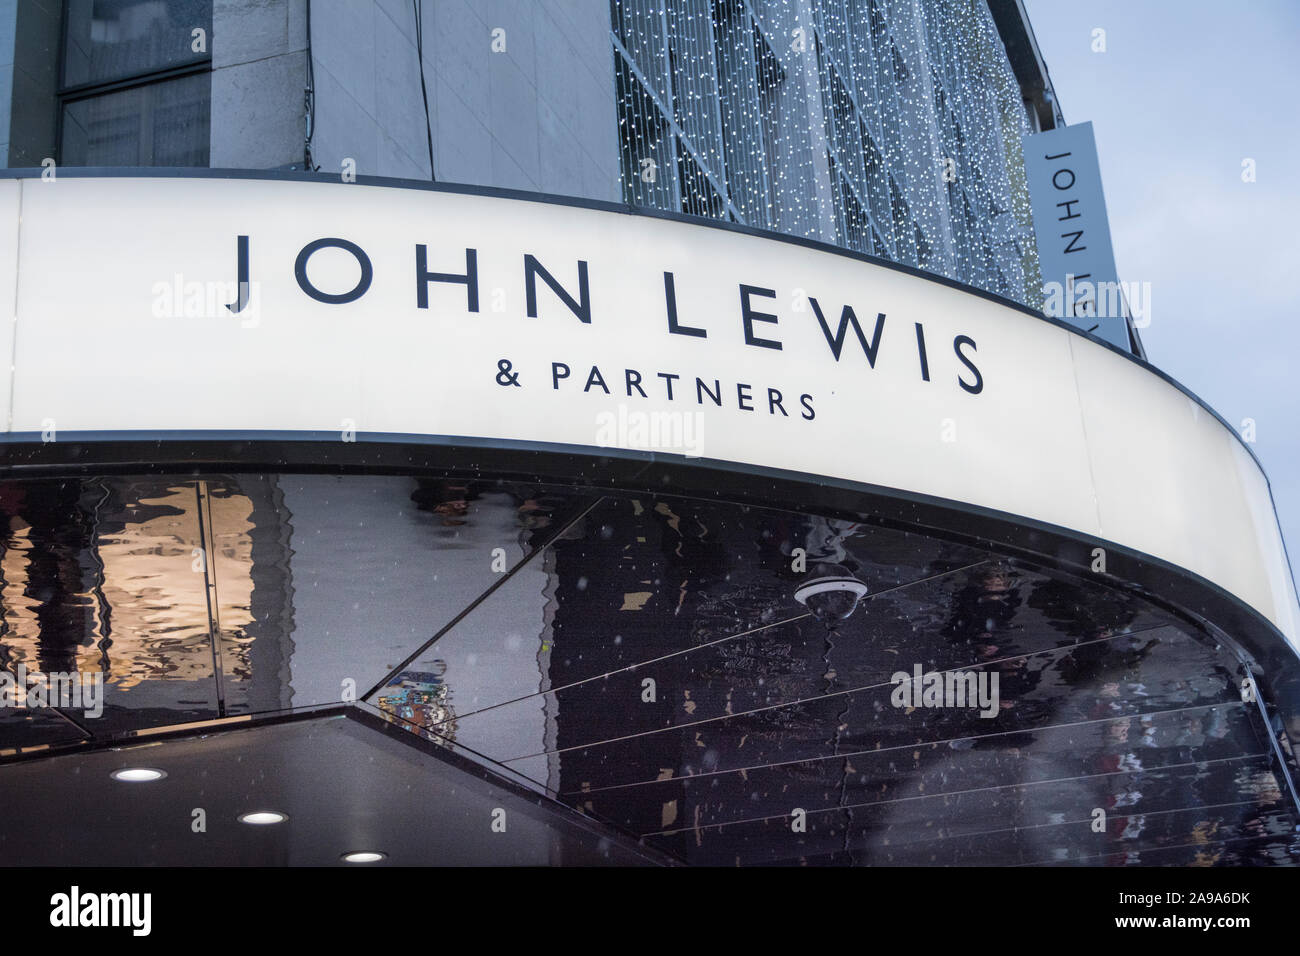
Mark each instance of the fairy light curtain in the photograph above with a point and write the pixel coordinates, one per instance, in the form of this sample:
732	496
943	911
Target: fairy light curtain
892	127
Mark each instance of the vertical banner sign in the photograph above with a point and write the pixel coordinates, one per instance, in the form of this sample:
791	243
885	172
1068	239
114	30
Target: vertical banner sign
1080	283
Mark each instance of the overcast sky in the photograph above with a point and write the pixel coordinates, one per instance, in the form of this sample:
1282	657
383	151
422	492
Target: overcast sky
1185	91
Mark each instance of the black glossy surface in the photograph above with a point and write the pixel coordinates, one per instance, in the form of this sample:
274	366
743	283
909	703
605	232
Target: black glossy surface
345	787
761	709
521	622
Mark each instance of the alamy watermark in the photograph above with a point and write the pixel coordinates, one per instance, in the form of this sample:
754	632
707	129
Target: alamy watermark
23	690
955	688
1078	297
681	432
77	908
181	299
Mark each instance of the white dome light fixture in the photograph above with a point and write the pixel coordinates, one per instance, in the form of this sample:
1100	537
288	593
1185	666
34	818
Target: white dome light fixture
263	818
364	856
137	774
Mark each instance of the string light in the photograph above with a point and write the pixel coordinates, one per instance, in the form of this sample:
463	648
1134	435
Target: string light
893	132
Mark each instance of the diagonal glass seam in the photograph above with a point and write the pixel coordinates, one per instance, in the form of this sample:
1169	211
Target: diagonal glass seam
1069	823
698	647
972	790
993	832
1113	816
440	740
1153	849
495	767
820	697
487	593
18	753
838	693
753	768
1282	770
629	667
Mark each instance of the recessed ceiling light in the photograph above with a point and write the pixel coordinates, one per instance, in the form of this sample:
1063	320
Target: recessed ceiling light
364	856
137	774
262	818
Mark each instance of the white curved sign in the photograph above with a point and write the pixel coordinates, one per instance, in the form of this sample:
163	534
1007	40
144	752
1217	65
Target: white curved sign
372	309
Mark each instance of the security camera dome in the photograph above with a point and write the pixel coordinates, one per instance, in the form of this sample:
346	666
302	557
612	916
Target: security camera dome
830	592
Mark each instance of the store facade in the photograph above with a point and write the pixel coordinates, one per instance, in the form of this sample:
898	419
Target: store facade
640	516
586	432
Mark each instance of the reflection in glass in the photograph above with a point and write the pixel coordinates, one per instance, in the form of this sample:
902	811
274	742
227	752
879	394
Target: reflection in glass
109	40
165	123
647	660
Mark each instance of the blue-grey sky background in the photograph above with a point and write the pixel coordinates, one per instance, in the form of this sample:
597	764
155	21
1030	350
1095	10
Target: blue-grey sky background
1185	91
